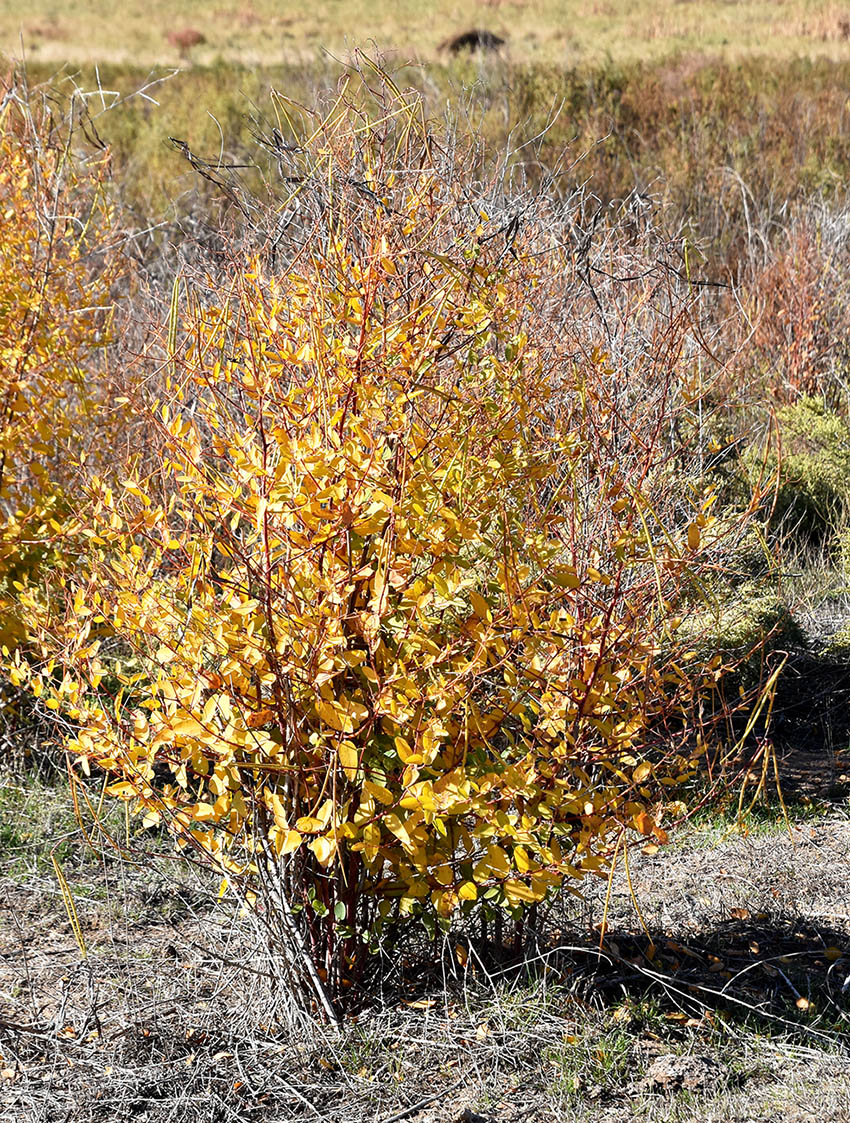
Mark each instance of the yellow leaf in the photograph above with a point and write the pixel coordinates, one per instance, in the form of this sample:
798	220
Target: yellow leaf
382	794
565	576
498	860
403	749
307	825
517	892
342	714
333	716
693	537
323	848
349	759
521	859
394	824
371	841
480	606
419	795
123	790
187	727
287	841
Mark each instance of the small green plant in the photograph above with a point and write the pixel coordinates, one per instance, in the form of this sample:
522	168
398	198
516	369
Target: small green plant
739	624
591	1063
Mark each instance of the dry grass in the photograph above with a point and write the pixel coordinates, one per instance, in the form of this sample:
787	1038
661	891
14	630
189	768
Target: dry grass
170	1015
264	32
733	149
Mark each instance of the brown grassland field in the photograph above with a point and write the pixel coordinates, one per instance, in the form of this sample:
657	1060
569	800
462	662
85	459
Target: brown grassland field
424	562
263	33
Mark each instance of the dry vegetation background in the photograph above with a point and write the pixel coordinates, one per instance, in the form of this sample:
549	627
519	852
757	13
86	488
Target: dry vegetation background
610	264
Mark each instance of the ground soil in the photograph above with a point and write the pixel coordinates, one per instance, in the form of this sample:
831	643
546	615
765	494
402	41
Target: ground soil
733	979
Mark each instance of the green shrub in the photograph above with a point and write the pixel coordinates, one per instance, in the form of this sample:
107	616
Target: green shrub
813	467
741	624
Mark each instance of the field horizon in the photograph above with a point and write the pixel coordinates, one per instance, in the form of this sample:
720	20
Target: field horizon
262	33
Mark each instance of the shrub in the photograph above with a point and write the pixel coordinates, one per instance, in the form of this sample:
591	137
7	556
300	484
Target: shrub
795	290
59	262
391	633
813	486
56	273
748	619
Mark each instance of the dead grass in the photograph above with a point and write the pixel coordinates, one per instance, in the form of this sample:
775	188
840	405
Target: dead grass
171	1015
254	32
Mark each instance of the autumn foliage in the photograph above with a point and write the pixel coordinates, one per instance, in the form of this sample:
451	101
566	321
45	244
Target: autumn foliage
57	268
390	633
